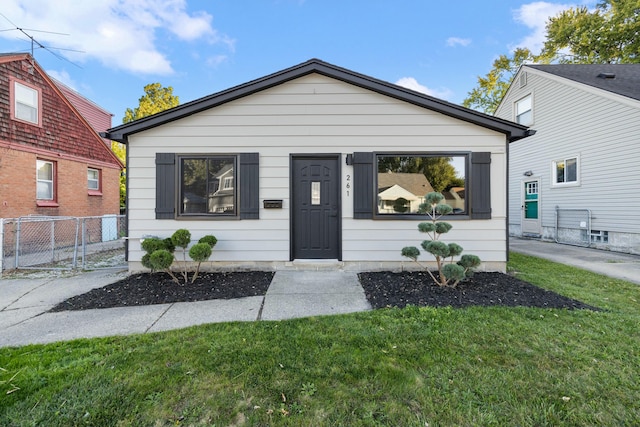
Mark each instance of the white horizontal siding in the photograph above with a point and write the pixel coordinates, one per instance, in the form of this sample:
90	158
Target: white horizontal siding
599	128
312	114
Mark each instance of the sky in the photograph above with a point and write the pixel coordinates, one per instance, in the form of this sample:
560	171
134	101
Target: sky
108	50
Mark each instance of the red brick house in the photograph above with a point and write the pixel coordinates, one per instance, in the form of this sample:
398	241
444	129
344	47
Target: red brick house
52	160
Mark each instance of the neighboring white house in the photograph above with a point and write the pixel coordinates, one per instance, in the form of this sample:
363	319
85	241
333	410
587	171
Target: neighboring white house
301	151
577	180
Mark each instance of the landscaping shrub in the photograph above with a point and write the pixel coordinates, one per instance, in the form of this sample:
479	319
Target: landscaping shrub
450	273
160	253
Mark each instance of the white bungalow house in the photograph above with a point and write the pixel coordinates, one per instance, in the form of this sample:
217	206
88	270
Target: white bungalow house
303	151
577	181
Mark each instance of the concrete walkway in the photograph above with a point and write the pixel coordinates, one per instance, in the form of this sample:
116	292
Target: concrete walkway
612	264
24	304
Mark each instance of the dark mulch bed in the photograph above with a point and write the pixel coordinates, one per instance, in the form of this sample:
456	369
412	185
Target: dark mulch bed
387	289
158	288
383	289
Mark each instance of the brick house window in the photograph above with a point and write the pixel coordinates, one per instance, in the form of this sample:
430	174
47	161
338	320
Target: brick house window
26	103
45	187
93	180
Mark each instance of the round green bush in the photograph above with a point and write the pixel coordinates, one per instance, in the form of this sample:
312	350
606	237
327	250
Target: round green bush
411	252
469	261
436	248
434	198
455	249
444	209
209	240
168	245
146	261
400	205
152	244
200	252
426	227
443	227
181	238
161	259
453	272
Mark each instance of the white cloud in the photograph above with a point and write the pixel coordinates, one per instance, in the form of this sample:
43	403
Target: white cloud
457	41
535	16
119	33
412	83
63	77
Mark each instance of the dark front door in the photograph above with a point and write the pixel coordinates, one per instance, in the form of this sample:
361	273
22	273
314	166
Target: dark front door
315	207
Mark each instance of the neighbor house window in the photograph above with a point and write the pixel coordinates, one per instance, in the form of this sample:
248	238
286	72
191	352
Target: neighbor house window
206	185
565	171
45	188
404	180
93	179
26	103
524	112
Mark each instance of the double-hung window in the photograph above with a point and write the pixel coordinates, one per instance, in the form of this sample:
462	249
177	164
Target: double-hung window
565	171
206	185
403	181
26	103
45	188
93	180
524	111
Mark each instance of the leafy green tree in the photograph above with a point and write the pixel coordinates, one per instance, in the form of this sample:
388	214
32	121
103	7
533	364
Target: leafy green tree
608	34
486	96
120	150
155	99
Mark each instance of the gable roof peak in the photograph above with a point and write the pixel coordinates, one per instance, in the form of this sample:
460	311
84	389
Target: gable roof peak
512	130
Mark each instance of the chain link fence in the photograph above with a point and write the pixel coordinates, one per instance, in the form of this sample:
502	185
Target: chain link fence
573	226
62	243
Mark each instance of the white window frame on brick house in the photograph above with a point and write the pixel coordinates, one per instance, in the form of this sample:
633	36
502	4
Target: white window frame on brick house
45	181
94	181
26	103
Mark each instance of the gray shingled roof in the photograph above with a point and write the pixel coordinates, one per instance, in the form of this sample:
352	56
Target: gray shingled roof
626	81
415	183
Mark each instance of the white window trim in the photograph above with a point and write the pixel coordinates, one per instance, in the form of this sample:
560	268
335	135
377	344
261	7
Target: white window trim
96	180
515	109
51	181
575	183
37	105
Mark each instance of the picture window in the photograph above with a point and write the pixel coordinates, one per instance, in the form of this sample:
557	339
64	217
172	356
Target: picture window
404	180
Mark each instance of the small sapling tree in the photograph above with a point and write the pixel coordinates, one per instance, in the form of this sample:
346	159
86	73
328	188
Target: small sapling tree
160	253
450	273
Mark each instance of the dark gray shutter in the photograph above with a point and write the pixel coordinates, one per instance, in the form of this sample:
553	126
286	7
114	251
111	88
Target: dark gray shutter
480	183
249	186
165	185
363	180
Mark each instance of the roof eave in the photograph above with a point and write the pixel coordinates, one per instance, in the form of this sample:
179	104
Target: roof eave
512	130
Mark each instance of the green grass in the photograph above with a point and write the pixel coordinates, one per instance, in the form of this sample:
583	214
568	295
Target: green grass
412	367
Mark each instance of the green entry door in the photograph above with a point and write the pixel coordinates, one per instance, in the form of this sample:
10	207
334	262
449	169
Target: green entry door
531	207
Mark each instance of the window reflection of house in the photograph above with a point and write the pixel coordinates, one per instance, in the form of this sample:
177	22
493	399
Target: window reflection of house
221	199
393	187
454	197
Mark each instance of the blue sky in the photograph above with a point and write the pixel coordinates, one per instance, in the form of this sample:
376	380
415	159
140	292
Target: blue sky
111	49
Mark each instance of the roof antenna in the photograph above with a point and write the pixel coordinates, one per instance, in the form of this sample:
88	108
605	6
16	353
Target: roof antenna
34	42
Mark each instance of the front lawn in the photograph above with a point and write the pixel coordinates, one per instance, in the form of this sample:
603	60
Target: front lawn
411	367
